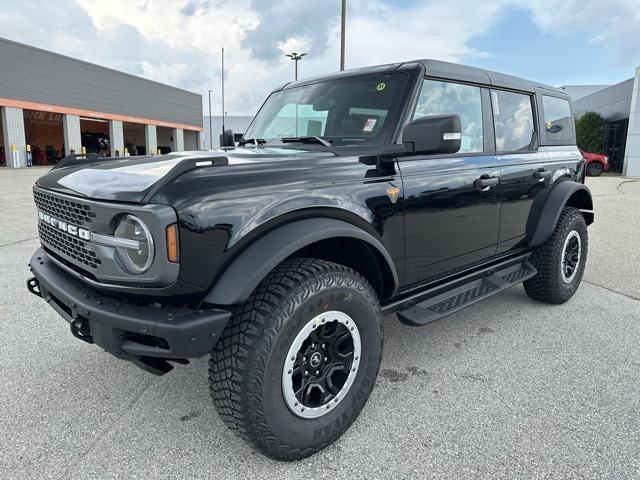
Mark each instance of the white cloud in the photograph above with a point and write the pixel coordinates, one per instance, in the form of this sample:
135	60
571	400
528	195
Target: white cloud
614	23
380	34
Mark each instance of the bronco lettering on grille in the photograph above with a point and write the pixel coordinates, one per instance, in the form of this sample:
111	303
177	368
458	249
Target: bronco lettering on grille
64	226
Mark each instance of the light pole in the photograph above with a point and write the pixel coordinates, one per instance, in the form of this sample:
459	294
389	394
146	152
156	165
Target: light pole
343	27
295	57
210	124
222	78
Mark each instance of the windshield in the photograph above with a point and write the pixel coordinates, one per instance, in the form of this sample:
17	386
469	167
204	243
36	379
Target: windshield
352	111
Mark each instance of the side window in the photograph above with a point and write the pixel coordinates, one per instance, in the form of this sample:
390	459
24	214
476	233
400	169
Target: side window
445	98
557	119
513	120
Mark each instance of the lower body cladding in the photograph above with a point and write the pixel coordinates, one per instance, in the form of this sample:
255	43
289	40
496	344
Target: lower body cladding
148	335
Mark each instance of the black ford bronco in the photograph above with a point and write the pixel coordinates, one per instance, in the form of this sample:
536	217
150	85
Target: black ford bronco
417	188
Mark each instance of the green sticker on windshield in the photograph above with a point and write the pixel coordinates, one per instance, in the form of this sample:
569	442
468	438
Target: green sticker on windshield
381	86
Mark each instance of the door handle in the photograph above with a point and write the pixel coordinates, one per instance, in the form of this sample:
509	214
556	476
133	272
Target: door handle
486	181
542	173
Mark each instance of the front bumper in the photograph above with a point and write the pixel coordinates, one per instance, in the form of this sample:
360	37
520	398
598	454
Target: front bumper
123	327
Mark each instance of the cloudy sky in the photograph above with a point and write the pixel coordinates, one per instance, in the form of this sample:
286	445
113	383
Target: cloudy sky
178	42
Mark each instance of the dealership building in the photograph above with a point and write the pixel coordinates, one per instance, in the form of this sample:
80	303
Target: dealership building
619	105
52	105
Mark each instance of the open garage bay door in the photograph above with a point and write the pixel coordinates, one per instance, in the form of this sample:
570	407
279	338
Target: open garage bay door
134	140
43	132
95	136
165	140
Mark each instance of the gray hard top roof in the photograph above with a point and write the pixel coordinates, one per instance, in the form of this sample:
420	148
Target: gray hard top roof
444	70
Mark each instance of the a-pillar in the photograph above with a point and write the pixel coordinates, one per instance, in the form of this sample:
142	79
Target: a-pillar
72	136
14	137
151	139
632	149
116	138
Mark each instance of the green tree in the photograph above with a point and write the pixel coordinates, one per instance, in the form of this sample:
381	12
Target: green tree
590	132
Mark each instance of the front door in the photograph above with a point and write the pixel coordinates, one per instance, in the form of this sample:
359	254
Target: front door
451	203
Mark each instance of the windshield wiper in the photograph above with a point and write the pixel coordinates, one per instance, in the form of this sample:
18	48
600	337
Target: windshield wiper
255	141
311	139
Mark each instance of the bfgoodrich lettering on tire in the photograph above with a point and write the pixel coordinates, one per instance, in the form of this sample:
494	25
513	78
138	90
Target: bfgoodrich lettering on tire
299	359
560	261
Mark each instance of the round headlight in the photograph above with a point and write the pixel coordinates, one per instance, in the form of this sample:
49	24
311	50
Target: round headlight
137	256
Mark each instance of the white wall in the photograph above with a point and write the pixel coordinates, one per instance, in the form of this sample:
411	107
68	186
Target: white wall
236	123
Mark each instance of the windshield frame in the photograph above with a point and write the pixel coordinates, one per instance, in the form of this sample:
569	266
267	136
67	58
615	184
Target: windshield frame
388	132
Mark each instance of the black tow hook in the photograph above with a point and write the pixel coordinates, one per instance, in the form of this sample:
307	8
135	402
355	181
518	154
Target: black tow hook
80	329
34	286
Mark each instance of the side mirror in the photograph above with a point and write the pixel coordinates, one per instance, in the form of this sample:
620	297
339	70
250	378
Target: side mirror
226	139
434	134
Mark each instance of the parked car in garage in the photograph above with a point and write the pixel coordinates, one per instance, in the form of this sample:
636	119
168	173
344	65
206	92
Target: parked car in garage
596	163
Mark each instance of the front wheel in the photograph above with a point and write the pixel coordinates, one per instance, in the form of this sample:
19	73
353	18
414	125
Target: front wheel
594	169
298	360
560	261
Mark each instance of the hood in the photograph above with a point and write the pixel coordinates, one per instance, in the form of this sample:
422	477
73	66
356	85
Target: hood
137	179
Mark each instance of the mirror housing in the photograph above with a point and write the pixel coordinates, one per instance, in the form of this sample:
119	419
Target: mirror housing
433	134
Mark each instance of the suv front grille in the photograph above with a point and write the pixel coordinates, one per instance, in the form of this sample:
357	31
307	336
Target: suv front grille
67	210
68	245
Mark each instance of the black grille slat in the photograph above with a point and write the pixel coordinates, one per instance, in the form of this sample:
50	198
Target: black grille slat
77	213
68	245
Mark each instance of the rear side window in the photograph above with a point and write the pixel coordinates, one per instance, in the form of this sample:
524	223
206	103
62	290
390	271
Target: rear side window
445	98
513	121
558	124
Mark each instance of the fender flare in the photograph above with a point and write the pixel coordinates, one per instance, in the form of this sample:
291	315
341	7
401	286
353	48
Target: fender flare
240	278
546	209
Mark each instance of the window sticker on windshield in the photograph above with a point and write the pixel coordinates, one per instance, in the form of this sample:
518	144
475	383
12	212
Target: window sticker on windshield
369	124
381	86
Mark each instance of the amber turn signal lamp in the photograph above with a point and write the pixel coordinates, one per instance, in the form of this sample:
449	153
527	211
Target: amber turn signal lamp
172	243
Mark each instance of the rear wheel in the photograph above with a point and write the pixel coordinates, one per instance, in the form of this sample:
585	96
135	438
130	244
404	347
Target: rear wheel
594	169
298	360
560	261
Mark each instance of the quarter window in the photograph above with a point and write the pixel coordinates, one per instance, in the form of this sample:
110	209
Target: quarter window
557	119
445	98
513	121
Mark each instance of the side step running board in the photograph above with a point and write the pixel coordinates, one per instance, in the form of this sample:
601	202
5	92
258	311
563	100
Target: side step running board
448	302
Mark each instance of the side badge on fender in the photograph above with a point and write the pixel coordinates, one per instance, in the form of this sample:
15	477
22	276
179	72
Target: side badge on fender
393	193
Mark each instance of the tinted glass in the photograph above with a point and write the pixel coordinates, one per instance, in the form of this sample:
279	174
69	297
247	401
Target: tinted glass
557	119
347	112
445	98
513	119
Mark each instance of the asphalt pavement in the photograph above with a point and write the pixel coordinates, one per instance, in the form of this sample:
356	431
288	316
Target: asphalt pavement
508	388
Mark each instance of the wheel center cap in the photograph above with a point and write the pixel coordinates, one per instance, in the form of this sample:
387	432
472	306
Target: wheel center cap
315	359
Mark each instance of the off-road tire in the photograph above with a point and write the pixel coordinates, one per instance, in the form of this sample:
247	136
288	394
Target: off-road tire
548	285
246	365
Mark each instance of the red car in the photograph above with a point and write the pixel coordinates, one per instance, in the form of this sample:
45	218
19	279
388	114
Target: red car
596	163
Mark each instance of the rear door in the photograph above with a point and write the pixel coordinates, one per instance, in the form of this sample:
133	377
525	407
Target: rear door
523	166
451	202
527	170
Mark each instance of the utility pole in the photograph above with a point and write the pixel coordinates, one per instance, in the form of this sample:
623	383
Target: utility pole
210	124
223	91
295	57
343	26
